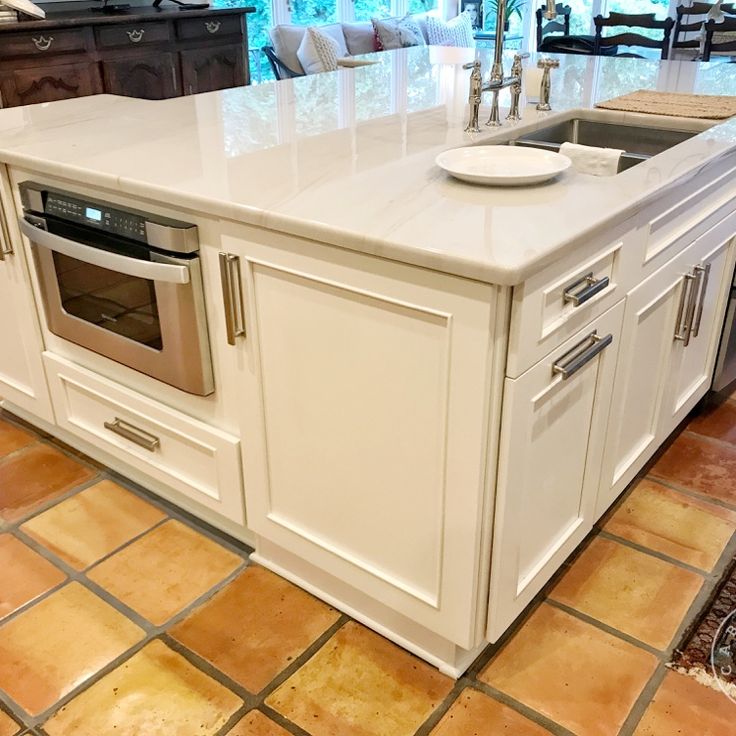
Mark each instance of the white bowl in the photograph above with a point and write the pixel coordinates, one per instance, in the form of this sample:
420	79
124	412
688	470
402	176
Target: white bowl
507	166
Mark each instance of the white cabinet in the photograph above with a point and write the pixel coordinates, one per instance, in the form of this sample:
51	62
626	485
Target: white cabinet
365	391
665	366
22	380
552	434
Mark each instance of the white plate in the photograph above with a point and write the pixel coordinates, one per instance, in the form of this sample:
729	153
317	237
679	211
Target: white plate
508	166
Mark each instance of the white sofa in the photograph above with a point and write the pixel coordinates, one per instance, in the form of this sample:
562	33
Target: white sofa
352	39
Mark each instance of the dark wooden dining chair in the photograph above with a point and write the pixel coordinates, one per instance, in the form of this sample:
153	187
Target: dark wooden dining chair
717	43
561	24
690	20
629	38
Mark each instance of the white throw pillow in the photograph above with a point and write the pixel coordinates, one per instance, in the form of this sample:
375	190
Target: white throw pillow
456	32
360	38
398	33
288	37
318	52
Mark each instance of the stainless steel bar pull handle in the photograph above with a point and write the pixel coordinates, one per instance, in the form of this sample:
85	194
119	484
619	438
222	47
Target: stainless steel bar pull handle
140	437
687	295
590	287
705	271
574	359
6	248
232	296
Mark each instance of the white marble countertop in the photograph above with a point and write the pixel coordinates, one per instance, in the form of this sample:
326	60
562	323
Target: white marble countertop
348	157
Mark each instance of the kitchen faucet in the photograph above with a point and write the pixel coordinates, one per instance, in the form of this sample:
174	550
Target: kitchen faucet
496	82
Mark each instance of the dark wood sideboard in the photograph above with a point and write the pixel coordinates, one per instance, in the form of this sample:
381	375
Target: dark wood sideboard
144	52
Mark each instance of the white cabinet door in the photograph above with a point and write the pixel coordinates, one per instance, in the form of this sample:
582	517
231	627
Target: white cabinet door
658	379
22	379
364	431
551	445
692	366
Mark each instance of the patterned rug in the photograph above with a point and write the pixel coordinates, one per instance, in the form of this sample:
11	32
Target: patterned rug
707	651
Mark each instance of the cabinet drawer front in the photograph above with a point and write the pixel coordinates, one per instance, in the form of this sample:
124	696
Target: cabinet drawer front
553	305
44	43
135	34
210	27
48	83
198	461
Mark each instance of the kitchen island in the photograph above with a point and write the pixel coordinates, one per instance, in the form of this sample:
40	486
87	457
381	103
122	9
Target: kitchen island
414	416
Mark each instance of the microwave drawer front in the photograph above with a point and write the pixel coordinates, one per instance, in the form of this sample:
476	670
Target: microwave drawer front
194	459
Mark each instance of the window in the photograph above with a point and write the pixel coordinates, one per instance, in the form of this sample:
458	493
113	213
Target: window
367	9
313	12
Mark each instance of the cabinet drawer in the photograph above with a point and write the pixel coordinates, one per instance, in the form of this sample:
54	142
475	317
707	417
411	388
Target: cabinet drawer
198	461
679	217
553	305
210	27
44	43
135	34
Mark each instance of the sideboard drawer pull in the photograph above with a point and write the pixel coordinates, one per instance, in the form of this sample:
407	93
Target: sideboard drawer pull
140	437
212	26
42	43
136	36
573	360
591	287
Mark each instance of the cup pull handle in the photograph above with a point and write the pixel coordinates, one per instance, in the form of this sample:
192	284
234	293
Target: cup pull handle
140	437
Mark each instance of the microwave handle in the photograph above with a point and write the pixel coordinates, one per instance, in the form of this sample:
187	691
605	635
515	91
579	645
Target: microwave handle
96	257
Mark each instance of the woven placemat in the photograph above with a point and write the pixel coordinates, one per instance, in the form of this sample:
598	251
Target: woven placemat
712	107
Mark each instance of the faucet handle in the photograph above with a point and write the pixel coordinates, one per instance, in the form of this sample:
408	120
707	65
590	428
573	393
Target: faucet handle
472	64
546	63
525	55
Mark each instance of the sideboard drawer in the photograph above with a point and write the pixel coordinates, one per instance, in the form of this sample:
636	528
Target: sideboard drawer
187	455
134	34
210	27
45	43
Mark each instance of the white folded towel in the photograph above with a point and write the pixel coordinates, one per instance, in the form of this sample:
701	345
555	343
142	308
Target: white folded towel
592	160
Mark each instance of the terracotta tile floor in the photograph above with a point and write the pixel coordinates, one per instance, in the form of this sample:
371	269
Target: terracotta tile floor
120	616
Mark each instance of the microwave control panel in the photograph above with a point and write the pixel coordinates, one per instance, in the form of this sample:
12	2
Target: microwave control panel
154	230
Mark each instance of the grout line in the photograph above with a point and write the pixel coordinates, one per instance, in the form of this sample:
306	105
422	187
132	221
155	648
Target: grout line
659	653
303	658
51	502
522	708
709	439
603	534
643	701
441	709
282	721
699	495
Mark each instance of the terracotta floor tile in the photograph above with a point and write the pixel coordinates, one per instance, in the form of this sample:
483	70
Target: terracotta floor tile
25	574
8	727
359	684
572	672
165	570
629	590
91	524
36	475
718	422
255	627
12	438
57	644
684	707
256	724
154	693
701	465
475	714
680	526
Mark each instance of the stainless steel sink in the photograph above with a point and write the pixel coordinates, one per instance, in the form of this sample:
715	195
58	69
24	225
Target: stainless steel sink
639	142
